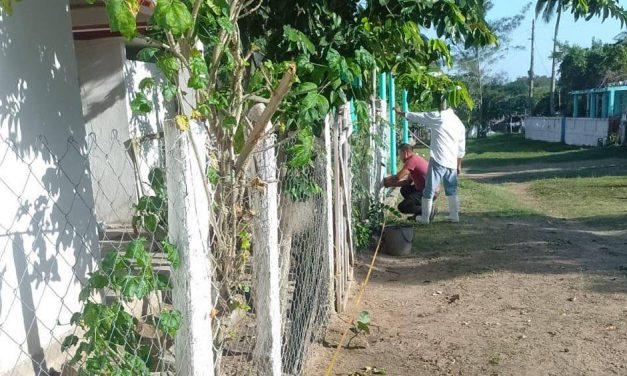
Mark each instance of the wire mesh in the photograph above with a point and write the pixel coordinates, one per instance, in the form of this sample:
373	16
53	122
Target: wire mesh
85	247
85	264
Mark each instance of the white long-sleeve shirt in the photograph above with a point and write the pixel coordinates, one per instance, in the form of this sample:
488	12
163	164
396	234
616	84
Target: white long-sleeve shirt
448	135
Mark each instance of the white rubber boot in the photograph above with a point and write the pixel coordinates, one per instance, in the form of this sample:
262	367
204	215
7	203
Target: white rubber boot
453	209
427	204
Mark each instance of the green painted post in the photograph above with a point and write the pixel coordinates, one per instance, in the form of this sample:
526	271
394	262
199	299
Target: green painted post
575	105
391	103
405	122
610	103
382	87
593	105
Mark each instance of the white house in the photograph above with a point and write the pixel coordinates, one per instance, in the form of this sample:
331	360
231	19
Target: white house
67	166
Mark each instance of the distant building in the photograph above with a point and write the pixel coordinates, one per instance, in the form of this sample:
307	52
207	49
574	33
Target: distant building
604	102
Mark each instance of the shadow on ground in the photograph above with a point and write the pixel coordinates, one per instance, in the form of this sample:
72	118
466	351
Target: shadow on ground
534	244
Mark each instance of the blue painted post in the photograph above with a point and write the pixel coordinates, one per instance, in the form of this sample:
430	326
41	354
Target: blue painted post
593	105
604	105
391	104
610	103
575	105
382	87
405	122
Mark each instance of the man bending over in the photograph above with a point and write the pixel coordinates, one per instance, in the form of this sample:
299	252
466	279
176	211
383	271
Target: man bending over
411	180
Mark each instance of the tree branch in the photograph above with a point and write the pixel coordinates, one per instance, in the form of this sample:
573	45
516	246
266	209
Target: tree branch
195	10
260	127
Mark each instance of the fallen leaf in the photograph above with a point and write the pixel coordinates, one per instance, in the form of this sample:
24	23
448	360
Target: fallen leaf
553	333
572	299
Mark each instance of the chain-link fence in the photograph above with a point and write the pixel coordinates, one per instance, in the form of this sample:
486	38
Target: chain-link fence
88	267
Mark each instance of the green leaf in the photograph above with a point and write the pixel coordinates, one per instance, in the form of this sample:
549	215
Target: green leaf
96	364
75	319
173	16
172	254
303	64
146	84
133	286
136	364
156	178
140	104
363	317
135	249
337	64
226	24
147	54
169	92
213	176
244	240
169	65
122	15
98	281
84	294
305	87
363	327
163	282
150	222
68	342
301	153
299	39
364	58
170	322
229	122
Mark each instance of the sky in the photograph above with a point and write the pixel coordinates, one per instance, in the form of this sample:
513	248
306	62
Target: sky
516	64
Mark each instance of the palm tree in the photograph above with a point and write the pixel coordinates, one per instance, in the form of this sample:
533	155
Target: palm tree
580	9
548	8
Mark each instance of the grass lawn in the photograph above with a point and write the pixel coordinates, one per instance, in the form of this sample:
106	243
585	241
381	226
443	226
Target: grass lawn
595	202
589	199
513	150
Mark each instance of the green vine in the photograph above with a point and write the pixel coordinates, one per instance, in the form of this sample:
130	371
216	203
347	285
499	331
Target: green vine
111	343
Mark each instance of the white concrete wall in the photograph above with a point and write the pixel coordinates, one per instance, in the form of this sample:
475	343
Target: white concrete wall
105	109
147	127
47	228
586	131
543	128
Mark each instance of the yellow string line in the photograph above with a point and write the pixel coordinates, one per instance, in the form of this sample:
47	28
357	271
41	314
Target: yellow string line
338	349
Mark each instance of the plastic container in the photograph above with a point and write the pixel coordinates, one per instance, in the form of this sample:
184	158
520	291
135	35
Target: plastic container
397	240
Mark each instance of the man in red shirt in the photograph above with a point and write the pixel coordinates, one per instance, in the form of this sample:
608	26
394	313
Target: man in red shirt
411	180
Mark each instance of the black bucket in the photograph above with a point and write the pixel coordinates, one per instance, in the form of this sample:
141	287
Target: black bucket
397	240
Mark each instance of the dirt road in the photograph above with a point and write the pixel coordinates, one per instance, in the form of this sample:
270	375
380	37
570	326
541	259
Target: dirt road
504	296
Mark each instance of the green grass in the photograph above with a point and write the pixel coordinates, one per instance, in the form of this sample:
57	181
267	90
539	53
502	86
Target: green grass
511	150
483	206
491	199
602	197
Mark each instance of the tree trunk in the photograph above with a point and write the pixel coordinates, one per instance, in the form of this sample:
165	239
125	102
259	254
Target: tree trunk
554	61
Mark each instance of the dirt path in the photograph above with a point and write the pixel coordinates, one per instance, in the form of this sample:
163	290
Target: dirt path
531	296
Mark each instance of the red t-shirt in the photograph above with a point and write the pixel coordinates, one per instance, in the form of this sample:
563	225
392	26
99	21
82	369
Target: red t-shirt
417	167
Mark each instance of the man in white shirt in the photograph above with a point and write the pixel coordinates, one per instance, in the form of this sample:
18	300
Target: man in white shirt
448	147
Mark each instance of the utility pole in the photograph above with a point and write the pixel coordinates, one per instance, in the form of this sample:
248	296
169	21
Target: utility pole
533	36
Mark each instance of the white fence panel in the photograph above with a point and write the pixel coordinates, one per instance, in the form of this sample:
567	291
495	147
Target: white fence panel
543	129
586	131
